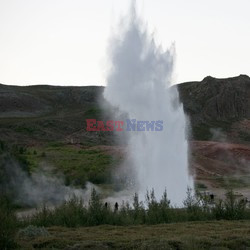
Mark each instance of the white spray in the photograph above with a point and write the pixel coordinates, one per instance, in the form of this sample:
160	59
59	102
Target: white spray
138	83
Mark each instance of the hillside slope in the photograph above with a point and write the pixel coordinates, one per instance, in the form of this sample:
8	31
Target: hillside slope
219	109
37	114
46	125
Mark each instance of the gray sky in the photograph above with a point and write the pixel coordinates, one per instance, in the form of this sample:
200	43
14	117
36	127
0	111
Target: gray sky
64	41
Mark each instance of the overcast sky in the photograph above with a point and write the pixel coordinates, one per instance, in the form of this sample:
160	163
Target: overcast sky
64	41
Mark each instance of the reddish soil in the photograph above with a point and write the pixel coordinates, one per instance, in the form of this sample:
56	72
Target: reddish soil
219	158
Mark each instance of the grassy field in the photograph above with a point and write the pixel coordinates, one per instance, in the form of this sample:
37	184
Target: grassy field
190	235
74	226
81	163
78	164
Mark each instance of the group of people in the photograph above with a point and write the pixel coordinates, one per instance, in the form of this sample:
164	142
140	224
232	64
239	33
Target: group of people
116	206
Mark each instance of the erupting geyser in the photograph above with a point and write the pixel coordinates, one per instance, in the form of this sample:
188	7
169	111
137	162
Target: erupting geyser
139	84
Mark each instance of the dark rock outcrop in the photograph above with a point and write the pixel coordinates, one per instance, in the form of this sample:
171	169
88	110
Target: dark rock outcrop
217	99
217	103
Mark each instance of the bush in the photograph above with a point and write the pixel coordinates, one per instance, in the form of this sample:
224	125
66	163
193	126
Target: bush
95	209
43	154
8	224
232	208
71	213
158	212
218	210
74	213
138	213
192	206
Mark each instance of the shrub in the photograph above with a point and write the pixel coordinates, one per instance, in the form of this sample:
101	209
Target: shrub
158	212
192	205
234	208
71	213
218	210
43	154
41	218
138	213
165	207
95	209
197	206
8	224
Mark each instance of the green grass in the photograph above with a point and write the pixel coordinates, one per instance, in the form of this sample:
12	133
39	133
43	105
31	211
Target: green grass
77	164
189	235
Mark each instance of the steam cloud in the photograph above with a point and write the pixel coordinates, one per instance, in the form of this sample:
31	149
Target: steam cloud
38	188
138	84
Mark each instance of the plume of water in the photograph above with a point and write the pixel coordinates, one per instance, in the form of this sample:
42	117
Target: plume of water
138	83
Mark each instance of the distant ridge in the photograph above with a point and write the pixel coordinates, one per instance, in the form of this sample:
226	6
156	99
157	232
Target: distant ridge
45	112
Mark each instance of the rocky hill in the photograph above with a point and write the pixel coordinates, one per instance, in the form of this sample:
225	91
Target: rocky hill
219	109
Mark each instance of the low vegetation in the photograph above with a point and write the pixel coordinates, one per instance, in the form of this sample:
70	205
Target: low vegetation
8	224
74	213
45	228
182	236
77	164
